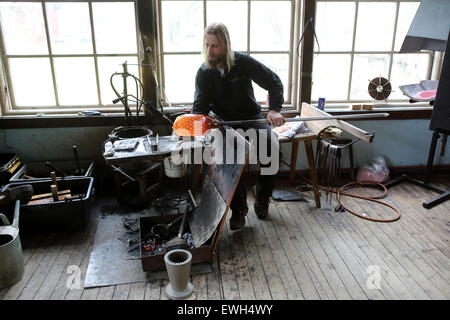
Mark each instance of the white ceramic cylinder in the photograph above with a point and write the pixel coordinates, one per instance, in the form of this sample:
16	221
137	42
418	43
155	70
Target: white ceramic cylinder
178	266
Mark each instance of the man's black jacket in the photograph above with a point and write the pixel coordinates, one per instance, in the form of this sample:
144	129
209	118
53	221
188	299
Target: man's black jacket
231	97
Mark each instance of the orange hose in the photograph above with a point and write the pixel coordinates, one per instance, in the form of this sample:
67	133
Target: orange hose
373	199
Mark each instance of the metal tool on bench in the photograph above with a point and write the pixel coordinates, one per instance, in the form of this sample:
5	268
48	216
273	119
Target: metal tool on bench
78	171
22	193
52	166
191	125
162	230
179	242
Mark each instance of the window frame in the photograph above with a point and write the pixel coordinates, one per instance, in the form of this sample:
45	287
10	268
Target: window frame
291	102
297	25
8	105
391	104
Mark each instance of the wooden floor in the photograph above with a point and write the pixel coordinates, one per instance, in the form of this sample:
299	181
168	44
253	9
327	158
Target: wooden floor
301	252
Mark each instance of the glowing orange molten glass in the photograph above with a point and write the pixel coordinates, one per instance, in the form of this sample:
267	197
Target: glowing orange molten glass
192	125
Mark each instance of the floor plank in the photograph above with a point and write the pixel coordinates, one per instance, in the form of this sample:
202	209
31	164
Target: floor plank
81	253
389	254
353	264
413	264
106	293
276	287
213	282
325	264
137	291
153	290
290	283
228	274
365	261
15	291
320	282
299	252
200	288
289	243
60	266
255	264
45	265
121	291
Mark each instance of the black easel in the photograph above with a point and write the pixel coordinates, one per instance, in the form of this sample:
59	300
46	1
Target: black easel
443	194
439	124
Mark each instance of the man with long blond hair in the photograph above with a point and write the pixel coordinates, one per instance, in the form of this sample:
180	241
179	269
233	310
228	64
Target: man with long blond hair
223	85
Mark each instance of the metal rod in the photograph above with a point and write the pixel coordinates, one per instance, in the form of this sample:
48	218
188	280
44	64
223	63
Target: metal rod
49	164
349	116
123	173
77	160
194	203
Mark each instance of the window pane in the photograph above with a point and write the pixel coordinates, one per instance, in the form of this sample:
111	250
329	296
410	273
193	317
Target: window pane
375	26
270	25
109	65
278	63
334	26
69	28
365	68
115	27
32	88
405	16
330	76
234	15
182	25
75	81
180	71
407	69
23	28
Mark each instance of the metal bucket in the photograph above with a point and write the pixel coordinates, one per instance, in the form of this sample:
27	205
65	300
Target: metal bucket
129	132
11	256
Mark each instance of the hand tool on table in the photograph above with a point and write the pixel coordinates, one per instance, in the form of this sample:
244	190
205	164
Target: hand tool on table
179	242
52	166
162	230
78	171
191	125
45	197
54	186
22	193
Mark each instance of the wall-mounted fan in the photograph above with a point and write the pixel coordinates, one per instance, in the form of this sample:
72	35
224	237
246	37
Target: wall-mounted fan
380	88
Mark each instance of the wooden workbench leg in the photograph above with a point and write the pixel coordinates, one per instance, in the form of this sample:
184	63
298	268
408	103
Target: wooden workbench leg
294	153
312	171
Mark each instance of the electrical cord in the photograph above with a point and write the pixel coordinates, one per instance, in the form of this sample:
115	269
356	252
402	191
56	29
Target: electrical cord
373	199
341	192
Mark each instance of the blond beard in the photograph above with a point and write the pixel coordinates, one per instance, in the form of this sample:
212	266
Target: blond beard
212	64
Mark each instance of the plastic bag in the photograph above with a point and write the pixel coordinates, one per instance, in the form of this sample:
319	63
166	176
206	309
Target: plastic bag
376	170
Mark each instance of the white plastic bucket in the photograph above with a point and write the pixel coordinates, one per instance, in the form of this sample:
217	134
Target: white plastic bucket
174	166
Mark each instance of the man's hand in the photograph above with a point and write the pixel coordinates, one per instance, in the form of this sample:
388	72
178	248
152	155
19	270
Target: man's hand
275	118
